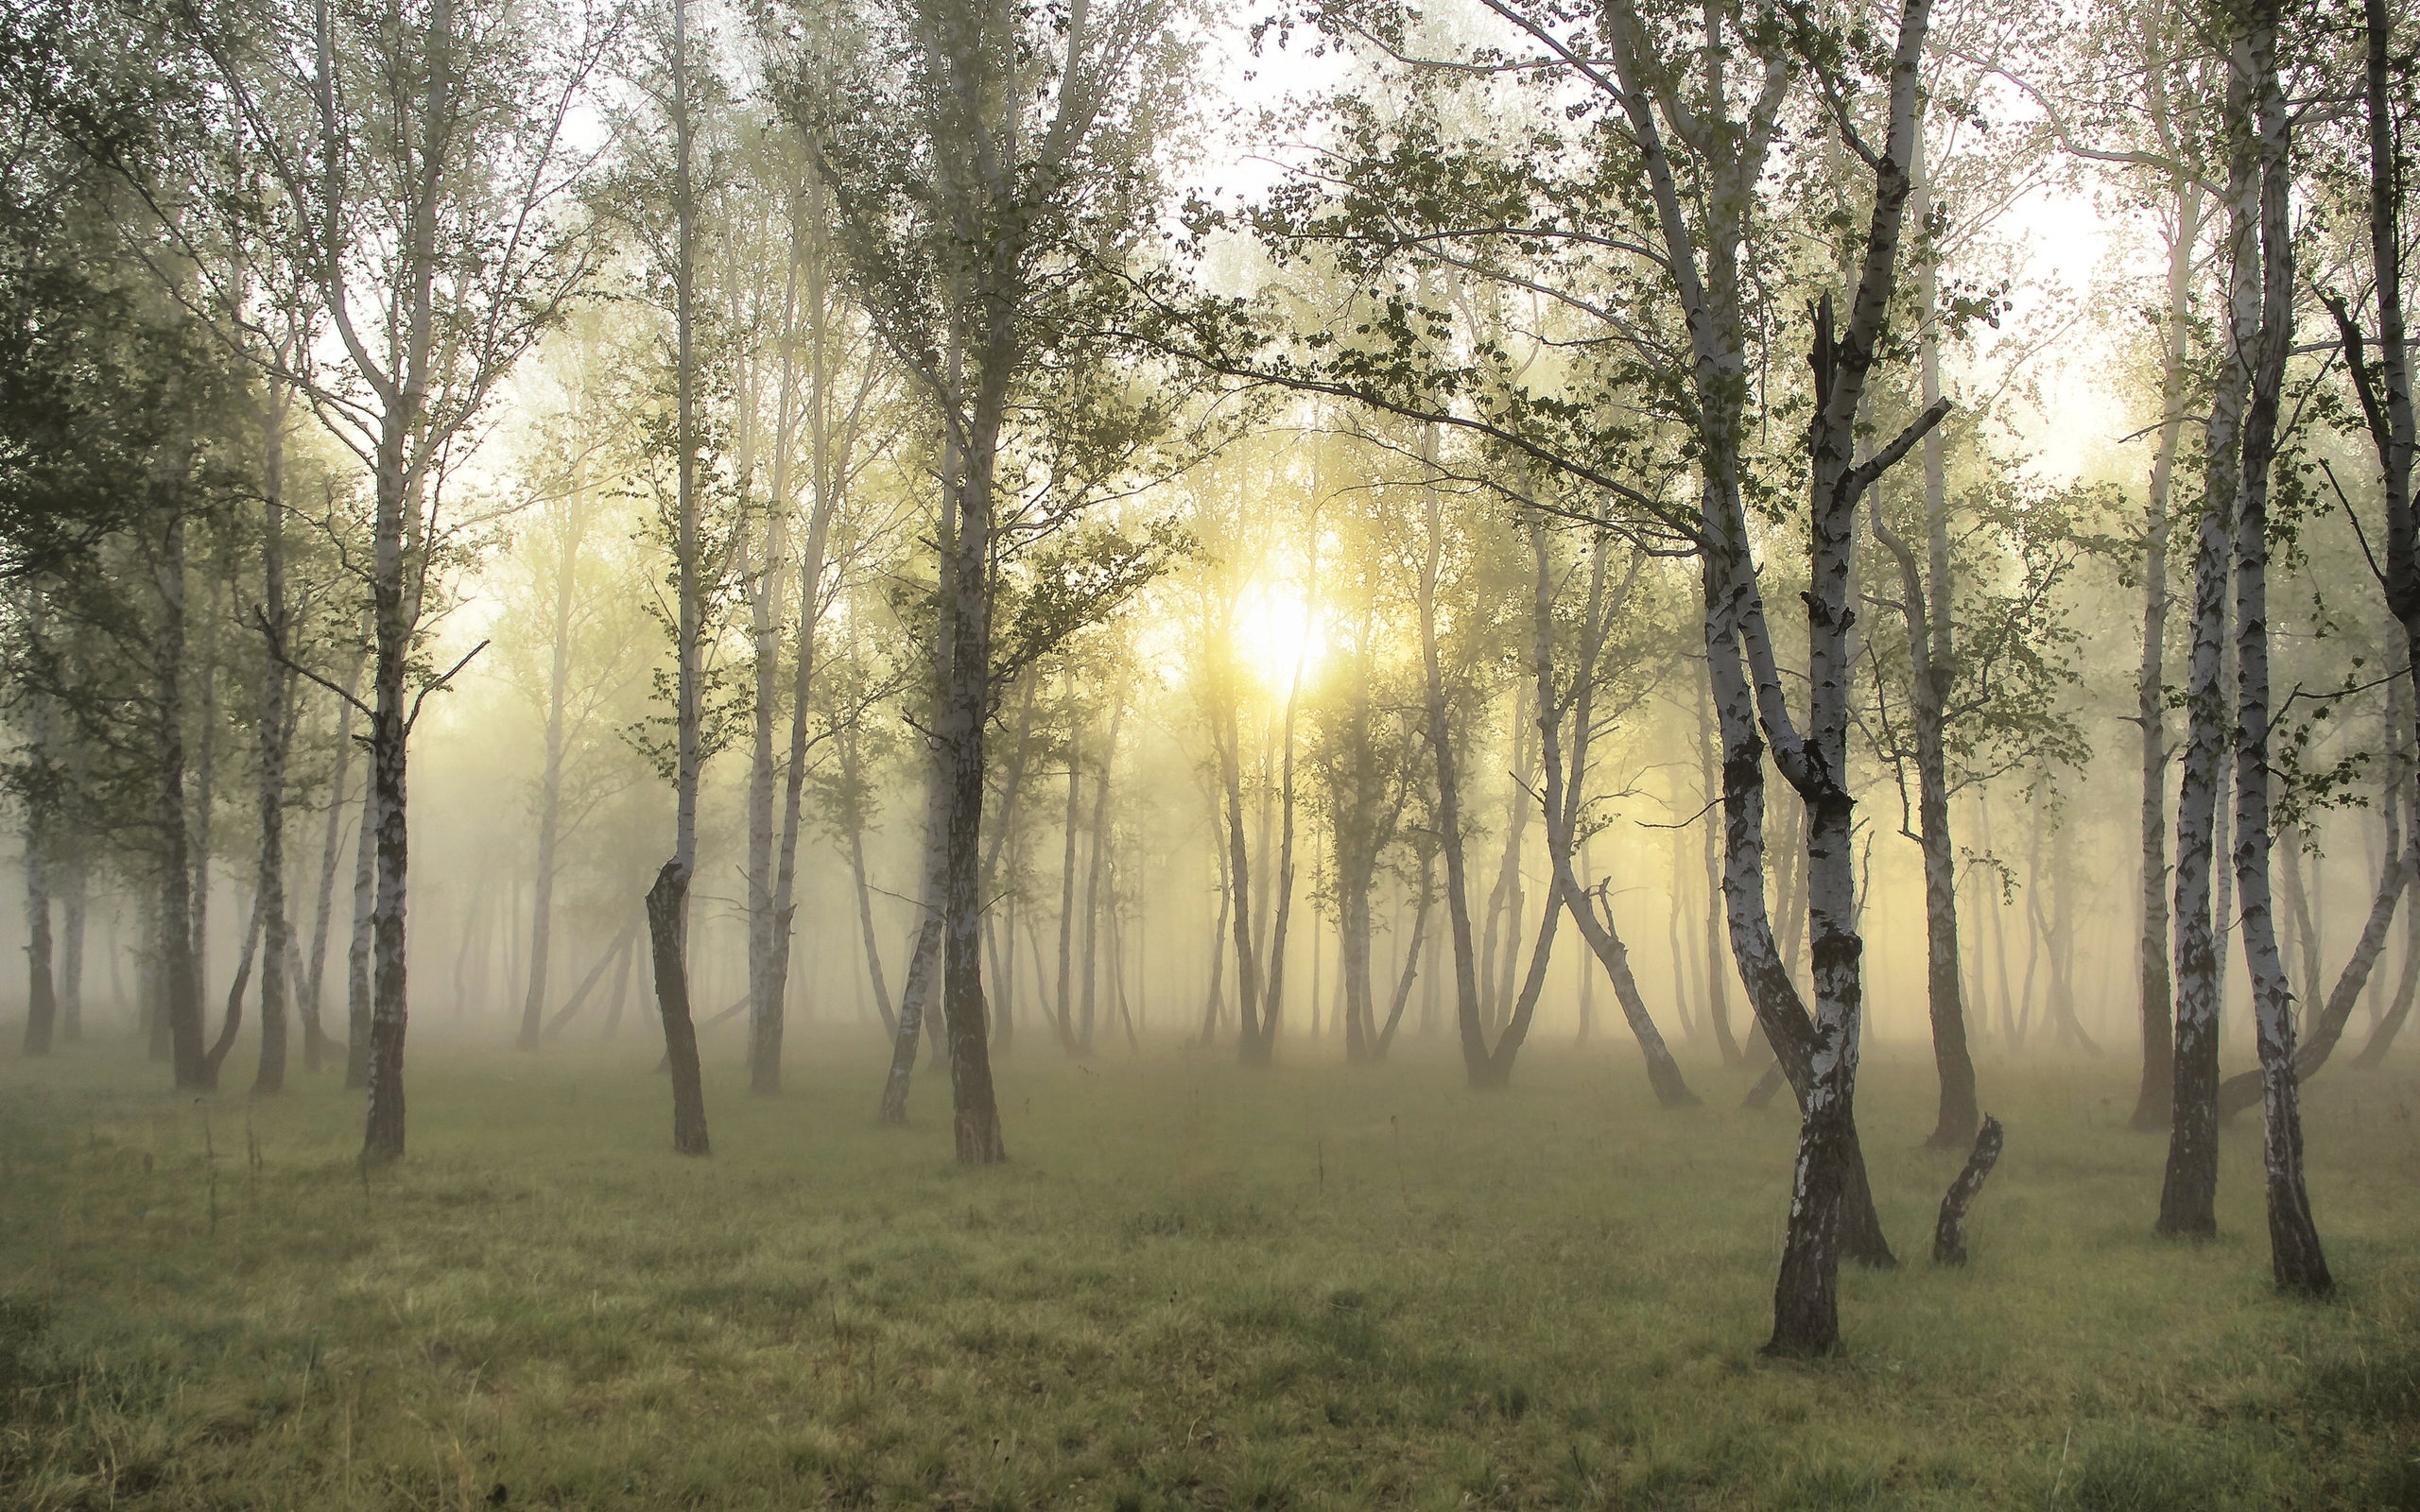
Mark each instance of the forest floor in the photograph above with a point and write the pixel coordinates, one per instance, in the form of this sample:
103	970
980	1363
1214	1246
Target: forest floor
1194	1286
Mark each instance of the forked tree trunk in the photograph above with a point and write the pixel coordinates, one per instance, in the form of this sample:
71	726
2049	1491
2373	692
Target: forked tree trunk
1562	807
1821	1054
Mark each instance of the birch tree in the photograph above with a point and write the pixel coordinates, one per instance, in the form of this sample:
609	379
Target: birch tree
426	155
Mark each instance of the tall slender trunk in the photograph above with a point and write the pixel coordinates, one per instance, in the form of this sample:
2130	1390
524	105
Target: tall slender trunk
1211	1008
1263	1051
1449	806
276	736
1238	870
1069	831
1093	883
850	784
2188	1194
180	993
2294	1250
1717	960
2156	993
73	901
1504	898
667	901
315	1035
358	992
973	1102
42	1005
205	769
550	786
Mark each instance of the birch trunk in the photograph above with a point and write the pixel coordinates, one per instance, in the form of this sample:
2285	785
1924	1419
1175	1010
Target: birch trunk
2156	995
2188	1194
2295	1257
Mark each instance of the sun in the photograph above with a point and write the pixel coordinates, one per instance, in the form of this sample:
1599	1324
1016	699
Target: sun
1274	635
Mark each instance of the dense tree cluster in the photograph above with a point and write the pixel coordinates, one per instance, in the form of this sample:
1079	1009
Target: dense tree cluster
1594	479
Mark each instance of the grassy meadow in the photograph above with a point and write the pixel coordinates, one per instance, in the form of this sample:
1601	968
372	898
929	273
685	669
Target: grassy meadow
1193	1287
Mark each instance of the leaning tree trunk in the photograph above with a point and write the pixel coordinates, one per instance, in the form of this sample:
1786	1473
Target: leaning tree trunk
1562	808
665	922
924	985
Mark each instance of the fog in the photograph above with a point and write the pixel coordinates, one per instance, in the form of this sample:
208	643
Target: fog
1711	545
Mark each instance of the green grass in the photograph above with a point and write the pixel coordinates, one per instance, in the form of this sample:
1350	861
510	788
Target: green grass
1194	1286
